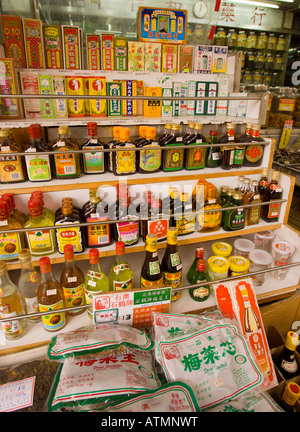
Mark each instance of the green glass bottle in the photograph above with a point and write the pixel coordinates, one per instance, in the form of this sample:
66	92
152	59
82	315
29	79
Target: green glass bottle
201	293
235	219
121	274
213	158
193	269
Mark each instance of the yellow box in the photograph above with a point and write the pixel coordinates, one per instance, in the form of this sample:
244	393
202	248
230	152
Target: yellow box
129	106
97	86
152	108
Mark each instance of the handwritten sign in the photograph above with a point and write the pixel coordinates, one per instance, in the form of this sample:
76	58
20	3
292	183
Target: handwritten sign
16	395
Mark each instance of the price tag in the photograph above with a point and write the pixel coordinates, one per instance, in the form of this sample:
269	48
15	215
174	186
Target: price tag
16	395
286	133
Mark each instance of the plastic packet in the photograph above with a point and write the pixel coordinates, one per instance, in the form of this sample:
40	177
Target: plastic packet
102	338
102	379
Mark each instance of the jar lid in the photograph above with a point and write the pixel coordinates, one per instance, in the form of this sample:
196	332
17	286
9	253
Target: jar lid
239	264
260	256
218	264
282	247
221	249
243	244
265	235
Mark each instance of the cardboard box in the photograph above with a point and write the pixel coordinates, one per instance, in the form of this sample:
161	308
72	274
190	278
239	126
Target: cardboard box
12	32
169	58
203	58
136	56
59	88
200	105
121	53
176	103
190	110
9	108
219	64
221	108
167	90
237	108
34	44
114	105
152	108
53	46
71	47
185	58
152	57
129	106
107	51
30	85
93	51
97	86
46	88
211	91
75	87
140	92
183	103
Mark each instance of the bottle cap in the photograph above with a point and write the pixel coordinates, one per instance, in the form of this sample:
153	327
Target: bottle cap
143	131
35	131
120	248
201	264
265	172
221	249
254	182
224	188
92	128
94	256
11	197
239	264
199	252
68	252
24	255
67	209
45	264
247	180
191	124
275	175
63	130
291	340
198	126
151	133
172	236
218	264
35	206
175	126
151	242
4	214
168	126
116	132
213	132
237	195
8	202
291	393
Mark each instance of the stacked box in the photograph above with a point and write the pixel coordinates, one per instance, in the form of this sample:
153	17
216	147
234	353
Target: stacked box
97	86
152	108
114	105
190	109
12	32
200	105
46	88
9	108
183	103
121	54
59	88
167	90
169	58
152	57
219	64
129	106
221	108
203	58
136	56
93	50
71	47
140	92
75	87
237	108
176	103
53	47
107	51
86	86
30	85
34	44
211	91
185	58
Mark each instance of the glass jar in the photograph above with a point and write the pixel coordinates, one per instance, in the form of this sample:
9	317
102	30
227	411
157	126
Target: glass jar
278	62
282	253
251	40
272	42
266	78
241	39
220	37
263	240
231	39
221	249
269	61
250	60
262	41
243	247
238	265
259	260
275	79
283	105
257	77
247	77
259	60
281	41
218	267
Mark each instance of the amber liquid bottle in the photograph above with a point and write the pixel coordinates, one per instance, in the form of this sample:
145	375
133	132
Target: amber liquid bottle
66	163
151	274
74	235
125	162
263	182
12	168
290	397
211	221
227	153
115	140
171	265
254	152
285	361
271	212
253	213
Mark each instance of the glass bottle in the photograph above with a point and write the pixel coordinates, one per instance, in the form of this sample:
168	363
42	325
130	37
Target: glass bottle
246	137
12	168
95	281
210	221
51	298
263	182
38	166
173	159
285	361
96	235
72	235
193	269
149	160
290	397
72	282
190	133
127	231
121	274
254	152
195	157
223	193
124	162
170	202
47	212
246	190
227	152
171	265
166	135
142	135
271	212
11	305
116	139
12	216
11	244
213	159
240	183
253	213
67	165
94	162
235	219
184	216
28	283
41	241
154	224
20	215
64	201
201	293
151	273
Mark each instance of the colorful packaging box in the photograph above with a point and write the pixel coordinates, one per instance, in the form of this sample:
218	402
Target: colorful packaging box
140	92
176	103
152	108
203	58
219	64
30	85
190	109
9	108
107	51
121	54
71	47
34	44
86	85
221	108
211	91
152	57
97	86
136	56
129	106
114	105
93	51
46	88
237	108
183	103
167	90
75	86
169	58
59	88
12	32
53	47
237	300
185	58
200	105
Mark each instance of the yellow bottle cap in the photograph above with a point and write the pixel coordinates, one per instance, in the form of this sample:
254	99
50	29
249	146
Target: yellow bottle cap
151	243
291	393
239	264
218	264
172	236
221	249
291	340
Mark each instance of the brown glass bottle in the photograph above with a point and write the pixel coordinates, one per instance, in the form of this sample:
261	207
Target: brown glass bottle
166	134
125	162
263	182
154	224
96	235
94	162
285	361
184	217
171	265
254	152
227	152
116	139
290	397
151	273
74	235
246	137
270	212
66	164
195	157
12	168
65	201
253	213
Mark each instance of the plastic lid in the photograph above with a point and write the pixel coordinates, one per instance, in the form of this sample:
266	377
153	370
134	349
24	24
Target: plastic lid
120	247
291	393
45	264
93	256
92	128
282	247
221	249
239	264
201	264
218	264
243	244
291	340
35	131
259	256
265	235
213	132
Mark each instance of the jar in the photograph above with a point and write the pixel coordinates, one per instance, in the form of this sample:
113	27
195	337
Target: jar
231	39
250	60
272	42
220	37
280	46
259	260
221	249
243	247
262	41
238	265
257	77
247	77
275	79
241	39
282	253
243	59
283	105
263	240
266	78
278	62
251	40
269	61
218	267
259	60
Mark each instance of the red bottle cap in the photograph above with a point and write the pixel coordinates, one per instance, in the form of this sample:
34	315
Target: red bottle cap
11	198
201	265
199	252
8	202
4	214
35	131
94	256
120	248
156	203
45	264
214	132
35	206
68	251
92	128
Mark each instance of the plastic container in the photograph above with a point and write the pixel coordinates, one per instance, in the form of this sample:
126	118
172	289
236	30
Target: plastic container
221	249
263	240
238	265
218	267
259	260
282	253
243	247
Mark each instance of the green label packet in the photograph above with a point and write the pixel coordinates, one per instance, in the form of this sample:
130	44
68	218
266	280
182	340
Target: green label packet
121	53
114	105
46	88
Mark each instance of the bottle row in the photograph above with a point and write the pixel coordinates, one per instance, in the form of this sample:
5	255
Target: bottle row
61	163
123	217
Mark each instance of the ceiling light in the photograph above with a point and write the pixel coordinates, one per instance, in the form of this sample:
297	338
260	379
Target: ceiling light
257	3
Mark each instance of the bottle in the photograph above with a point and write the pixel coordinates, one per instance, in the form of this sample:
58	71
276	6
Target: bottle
11	305
151	273
246	137
51	298
263	182
285	361
72	235
240	184
171	265
12	168
235	219
290	397
72	282
191	133
66	164
121	274
210	221
184	216
195	157
68	200
94	162
254	152
95	281
127	231
155	222
271	212
227	153
166	135
124	162
202	293
238	157
149	160
29	282
15	212
116	139
170	202
253	213
173	159
246	190
39	168
11	244
213	159
223	193
41	241
193	269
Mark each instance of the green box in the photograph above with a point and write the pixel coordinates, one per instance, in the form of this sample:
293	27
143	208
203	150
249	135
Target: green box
114	105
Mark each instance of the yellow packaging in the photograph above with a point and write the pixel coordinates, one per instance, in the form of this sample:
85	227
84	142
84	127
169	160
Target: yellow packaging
169	57
136	56
97	86
152	108
75	86
221	249
129	106
87	102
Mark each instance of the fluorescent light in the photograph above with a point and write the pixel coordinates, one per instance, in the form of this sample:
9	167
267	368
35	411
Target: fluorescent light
257	3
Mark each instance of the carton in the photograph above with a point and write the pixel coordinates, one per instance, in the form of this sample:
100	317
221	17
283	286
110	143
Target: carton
121	53
12	32
9	108
136	56
71	47
129	106
140	92
190	109
169	58
219	64
97	86
200	105
152	108
59	88
30	85
53	47
34	44
114	105
87	102
221	107
167	90
107	51
93	50
203	58
211	91
176	103
75	86
183	103
185	58
237	108
152	57
46	88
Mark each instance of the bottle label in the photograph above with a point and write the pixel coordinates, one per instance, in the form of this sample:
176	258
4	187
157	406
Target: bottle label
254	153
201	292
151	284
38	168
274	210
159	228
216	155
150	160
40	241
94	274
210	219
74	296
172	280
65	163
175	259
10	168
121	267
264	183
125	161
34	277
128	232
185	225
254	215
93	162
289	366
173	159
32	307
123	285
9	327
196	158
53	321
154	267
69	236
98	234
238	157
10	245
